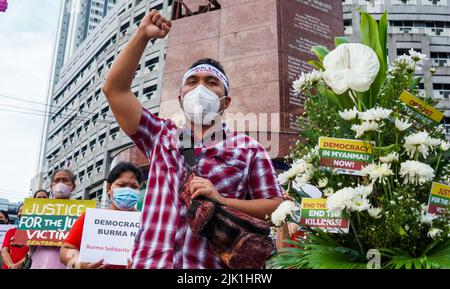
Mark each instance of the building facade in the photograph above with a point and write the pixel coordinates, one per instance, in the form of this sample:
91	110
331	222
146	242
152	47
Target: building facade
77	19
423	25
82	134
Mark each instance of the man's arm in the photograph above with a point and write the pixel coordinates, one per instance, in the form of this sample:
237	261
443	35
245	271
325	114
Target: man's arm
124	105
258	208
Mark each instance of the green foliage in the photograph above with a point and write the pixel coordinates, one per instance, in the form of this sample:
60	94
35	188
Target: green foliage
374	35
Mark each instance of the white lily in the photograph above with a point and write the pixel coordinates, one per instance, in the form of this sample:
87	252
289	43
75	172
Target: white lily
350	66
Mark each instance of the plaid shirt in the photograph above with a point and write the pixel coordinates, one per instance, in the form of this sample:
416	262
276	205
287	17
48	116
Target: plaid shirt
239	167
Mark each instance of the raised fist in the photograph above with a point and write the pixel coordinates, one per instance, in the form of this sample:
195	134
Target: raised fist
154	25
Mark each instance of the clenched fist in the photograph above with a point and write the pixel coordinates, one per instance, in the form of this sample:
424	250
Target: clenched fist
154	25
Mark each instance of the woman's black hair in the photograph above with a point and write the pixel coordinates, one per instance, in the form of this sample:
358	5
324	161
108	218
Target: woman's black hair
121	168
5	213
47	193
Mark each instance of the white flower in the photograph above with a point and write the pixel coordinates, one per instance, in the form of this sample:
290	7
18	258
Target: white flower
328	192
378	172
351	199
374	212
301	180
428	218
306	80
434	232
402	125
298	167
360	203
316	76
285	209
440	129
350	66
420	142
392	157
376	114
323	183
364	127
403	62
417	56
445	145
349	114
415	173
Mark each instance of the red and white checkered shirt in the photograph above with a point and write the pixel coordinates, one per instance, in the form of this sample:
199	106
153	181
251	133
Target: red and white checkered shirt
238	166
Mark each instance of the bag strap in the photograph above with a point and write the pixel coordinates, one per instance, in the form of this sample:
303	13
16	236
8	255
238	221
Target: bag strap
188	151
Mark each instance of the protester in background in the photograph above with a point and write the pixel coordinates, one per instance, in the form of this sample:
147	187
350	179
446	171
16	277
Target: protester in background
13	254
42	257
4	217
41	194
123	186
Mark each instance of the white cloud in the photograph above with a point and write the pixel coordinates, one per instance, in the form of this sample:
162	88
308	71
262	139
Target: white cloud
27	35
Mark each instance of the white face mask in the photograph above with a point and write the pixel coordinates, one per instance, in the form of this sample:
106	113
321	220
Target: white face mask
202	105
61	191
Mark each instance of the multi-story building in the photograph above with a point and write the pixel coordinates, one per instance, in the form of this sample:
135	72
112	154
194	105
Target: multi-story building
81	132
423	25
77	19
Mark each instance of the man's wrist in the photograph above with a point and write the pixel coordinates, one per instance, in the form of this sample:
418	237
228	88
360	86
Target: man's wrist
141	35
224	201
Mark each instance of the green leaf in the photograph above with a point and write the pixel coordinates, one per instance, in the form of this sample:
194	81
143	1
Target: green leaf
440	255
382	31
316	64
340	40
320	52
371	35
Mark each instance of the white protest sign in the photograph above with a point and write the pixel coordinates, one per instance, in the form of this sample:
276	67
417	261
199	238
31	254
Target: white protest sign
109	235
3	230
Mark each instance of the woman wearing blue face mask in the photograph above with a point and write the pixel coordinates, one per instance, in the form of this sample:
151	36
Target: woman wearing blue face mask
123	186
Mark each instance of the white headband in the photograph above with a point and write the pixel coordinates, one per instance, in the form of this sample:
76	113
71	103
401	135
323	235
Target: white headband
208	69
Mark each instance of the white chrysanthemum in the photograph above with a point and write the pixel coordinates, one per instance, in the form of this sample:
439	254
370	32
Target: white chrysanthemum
323	183
301	180
374	212
434	232
441	129
364	127
427	218
417	56
283	178
349	114
328	192
298	167
360	203
403	62
414	173
390	158
285	209
445	145
350	199
402	125
420	142
306	80
375	114
378	172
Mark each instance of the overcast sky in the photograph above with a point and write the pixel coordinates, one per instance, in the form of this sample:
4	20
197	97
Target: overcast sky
27	35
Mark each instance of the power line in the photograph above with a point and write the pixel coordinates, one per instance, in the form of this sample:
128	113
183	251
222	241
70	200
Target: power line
43	104
46	113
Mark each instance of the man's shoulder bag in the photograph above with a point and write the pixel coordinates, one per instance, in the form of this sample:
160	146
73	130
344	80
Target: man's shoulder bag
240	240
